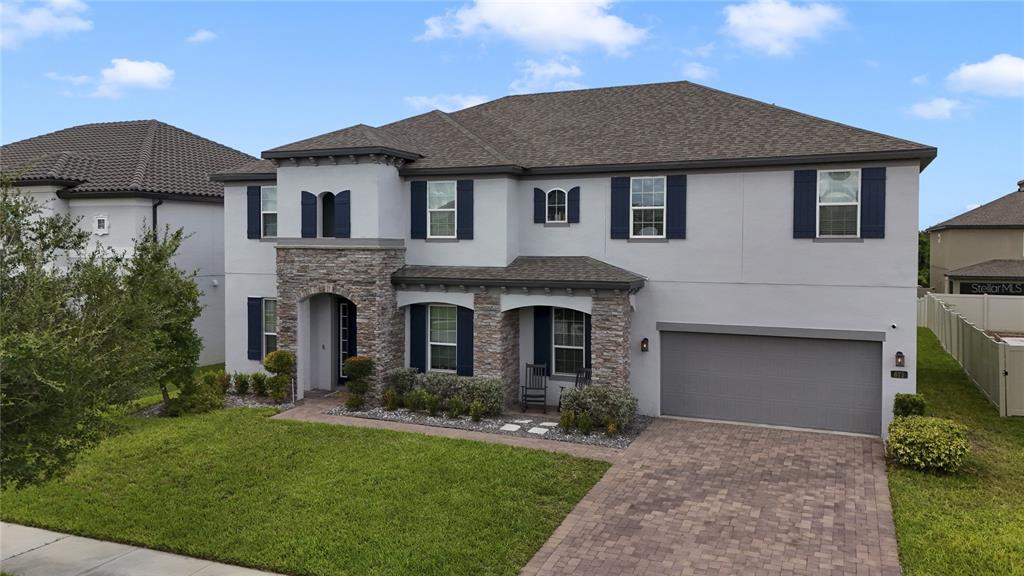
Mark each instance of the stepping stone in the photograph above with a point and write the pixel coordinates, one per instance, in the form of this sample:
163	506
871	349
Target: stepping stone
549	424
538	431
510	428
522	421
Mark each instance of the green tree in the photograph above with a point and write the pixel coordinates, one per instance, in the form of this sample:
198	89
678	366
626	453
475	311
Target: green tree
923	259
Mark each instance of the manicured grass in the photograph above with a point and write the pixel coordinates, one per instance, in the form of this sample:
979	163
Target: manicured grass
301	498
971	523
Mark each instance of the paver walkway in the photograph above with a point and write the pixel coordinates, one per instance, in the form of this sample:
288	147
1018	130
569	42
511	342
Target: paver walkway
312	410
692	497
33	552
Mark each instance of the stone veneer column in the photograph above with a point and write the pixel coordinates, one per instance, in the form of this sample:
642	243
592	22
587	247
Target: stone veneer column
496	341
610	320
362	274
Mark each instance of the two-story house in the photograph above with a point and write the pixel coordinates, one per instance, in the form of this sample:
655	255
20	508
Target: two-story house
122	178
724	258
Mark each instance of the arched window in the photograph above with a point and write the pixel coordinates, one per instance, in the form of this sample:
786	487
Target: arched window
327	215
556	211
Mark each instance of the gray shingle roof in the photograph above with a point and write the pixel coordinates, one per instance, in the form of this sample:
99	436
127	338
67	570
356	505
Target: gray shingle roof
1004	212
1000	268
359	137
141	157
675	123
255	170
580	272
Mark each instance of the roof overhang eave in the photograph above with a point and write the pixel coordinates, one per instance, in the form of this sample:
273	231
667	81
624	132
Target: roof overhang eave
244	177
339	152
630	286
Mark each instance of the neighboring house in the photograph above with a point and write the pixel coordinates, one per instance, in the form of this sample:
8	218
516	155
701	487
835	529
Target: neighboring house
980	251
722	257
121	178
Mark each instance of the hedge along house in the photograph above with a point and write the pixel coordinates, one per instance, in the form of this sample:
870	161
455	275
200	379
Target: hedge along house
722	257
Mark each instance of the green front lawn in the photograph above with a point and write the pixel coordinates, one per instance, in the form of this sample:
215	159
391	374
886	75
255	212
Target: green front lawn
971	523
302	498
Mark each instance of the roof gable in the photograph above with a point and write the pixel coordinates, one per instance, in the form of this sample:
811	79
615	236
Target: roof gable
1004	212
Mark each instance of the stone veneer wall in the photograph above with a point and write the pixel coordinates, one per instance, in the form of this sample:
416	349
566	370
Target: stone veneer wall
610	319
496	341
360	274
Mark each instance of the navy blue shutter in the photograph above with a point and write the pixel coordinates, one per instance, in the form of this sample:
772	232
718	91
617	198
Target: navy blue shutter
252	194
872	203
418	337
255	313
805	188
464	341
620	207
574	205
308	215
418	210
352	337
675	206
542	336
539	206
464	209
586	353
343	214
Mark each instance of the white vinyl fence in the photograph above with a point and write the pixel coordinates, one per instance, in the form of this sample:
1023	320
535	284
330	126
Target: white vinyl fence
995	367
987	312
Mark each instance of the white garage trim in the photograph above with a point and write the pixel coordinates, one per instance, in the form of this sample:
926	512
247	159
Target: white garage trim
816	333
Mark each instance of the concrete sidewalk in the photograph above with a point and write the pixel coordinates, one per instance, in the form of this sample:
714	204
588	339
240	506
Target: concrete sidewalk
34	552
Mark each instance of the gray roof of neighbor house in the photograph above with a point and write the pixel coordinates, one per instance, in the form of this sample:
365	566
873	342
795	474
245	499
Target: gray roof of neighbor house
134	158
579	272
674	125
999	268
1004	212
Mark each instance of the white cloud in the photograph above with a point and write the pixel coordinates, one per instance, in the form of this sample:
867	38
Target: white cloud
556	25
74	80
703	51
697	71
125	73
776	26
200	36
52	18
921	80
936	109
445	102
552	75
1001	75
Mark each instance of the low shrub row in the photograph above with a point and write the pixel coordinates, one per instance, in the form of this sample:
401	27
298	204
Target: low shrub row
437	392
922	442
612	408
203	393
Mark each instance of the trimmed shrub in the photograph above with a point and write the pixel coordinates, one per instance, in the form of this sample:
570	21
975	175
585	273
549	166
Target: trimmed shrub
908	405
281	362
360	387
224	380
416	399
584	423
200	394
402	379
455	407
432	403
610	407
476	411
444	385
279	387
355	402
567	421
928	444
259	383
242	383
390	399
488	391
358	367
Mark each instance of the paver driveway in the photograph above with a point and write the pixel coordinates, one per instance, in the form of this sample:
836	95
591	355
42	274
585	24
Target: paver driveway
694	497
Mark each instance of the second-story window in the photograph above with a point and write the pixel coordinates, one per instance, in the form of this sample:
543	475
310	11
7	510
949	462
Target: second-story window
556	206
838	203
441	209
268	211
647	207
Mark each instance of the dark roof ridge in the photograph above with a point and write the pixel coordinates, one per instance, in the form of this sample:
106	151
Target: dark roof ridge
145	154
472	136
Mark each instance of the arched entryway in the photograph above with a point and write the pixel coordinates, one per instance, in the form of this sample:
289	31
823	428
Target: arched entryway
327	337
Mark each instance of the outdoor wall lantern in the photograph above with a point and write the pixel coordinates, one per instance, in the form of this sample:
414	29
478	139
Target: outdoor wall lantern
645	345
901	360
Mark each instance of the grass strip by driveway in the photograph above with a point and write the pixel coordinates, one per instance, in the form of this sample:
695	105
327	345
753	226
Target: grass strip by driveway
971	523
302	498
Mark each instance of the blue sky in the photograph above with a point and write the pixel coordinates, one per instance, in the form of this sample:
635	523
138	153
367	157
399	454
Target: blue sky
254	75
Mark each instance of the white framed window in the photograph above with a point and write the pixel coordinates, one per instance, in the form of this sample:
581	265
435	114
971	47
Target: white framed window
268	211
838	211
101	225
441	208
269	325
569	340
442	337
556	206
647	207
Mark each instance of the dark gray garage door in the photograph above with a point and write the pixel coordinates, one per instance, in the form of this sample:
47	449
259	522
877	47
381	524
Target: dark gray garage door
802	382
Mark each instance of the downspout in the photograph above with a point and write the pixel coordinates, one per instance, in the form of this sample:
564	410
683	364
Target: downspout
155	206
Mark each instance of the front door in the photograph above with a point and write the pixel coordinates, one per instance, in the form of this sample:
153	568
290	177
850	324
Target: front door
346	335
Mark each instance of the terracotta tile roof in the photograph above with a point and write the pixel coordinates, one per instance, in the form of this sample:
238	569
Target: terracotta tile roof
135	157
1004	212
1000	268
668	123
582	272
